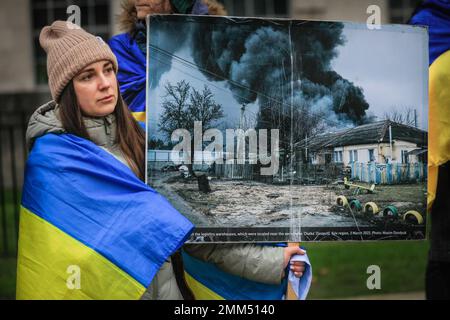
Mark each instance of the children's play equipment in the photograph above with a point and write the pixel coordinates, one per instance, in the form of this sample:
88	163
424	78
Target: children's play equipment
342	201
371	208
413	216
390	211
358	187
410	216
355	205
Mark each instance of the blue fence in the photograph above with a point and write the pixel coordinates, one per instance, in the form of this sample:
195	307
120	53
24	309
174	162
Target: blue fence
391	173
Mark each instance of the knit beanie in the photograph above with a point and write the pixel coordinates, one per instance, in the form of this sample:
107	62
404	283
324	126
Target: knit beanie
69	49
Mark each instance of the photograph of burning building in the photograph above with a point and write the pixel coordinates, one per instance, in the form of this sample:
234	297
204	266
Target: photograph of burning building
286	130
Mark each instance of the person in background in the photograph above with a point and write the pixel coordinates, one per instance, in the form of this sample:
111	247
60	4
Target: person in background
435	14
130	47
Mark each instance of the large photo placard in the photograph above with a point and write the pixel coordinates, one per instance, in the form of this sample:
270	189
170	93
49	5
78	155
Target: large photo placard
285	130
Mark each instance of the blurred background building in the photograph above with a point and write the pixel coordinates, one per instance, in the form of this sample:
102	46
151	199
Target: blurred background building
23	81
23	61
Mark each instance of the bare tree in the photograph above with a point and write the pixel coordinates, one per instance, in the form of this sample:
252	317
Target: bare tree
404	115
182	106
175	108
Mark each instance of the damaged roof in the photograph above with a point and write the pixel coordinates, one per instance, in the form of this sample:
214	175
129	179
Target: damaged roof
375	132
318	142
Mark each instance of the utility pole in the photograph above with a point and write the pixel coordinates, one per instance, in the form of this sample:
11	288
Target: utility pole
390	140
241	119
306	148
415	118
241	127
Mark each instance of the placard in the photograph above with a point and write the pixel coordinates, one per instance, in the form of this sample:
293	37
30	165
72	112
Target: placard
268	130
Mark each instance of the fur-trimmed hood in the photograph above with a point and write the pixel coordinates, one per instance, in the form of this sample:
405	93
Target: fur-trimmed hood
127	18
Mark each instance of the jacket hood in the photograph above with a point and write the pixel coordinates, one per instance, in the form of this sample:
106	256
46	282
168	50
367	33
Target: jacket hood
46	119
128	18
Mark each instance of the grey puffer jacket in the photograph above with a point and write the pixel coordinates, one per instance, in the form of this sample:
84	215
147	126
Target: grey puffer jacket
257	263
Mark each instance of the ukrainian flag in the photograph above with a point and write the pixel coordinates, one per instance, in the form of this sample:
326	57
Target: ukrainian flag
89	228
436	15
132	73
207	282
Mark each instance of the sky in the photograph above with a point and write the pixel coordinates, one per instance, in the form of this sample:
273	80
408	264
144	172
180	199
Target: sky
390	65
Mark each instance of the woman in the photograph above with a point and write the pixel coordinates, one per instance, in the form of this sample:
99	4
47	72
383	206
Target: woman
85	227
118	245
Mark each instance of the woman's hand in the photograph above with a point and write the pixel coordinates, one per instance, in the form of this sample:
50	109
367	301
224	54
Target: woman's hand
298	267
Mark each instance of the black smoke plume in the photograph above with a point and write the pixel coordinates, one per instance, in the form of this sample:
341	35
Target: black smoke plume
283	65
260	57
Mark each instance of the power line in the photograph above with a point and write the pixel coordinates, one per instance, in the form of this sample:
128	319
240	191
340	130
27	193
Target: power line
206	82
194	66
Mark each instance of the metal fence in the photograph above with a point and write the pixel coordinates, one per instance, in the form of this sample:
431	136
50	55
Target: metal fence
15	111
303	173
234	171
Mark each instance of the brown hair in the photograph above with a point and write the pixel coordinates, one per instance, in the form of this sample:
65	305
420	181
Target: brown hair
130	136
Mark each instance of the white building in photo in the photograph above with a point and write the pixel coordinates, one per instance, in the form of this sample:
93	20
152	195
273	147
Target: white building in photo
379	142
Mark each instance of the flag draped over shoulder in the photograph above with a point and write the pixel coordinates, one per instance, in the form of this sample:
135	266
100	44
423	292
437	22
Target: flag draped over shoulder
436	15
132	73
86	216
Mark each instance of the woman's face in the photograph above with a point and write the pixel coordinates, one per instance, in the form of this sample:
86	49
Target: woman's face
96	89
145	7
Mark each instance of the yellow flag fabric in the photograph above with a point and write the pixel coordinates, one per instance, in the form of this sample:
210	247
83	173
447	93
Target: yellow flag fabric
439	120
89	228
68	269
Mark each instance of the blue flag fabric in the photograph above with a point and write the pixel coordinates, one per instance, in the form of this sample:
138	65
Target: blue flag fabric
86	193
132	72
436	15
208	282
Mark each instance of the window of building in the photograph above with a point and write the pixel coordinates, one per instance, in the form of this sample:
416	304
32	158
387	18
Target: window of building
257	8
405	156
353	155
338	156
371	155
95	18
401	10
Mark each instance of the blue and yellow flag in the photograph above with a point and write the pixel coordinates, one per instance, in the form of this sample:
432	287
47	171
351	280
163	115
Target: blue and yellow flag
436	15
89	228
132	74
208	282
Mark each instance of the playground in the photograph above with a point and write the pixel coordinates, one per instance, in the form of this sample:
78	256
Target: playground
242	203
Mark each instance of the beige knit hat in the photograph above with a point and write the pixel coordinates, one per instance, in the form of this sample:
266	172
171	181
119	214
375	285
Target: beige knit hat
69	49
